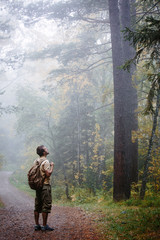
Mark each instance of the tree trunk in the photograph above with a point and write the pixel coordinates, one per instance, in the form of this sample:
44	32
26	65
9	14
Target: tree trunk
130	105
134	150
66	183
125	104
73	159
119	134
148	158
79	143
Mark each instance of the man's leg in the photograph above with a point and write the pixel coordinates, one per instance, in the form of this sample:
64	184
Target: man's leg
46	207
37	210
45	227
45	217
36	217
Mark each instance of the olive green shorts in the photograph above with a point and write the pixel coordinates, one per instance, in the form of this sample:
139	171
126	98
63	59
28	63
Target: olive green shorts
43	200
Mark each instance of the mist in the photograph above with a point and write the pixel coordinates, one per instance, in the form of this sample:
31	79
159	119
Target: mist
18	41
69	82
52	87
81	78
63	87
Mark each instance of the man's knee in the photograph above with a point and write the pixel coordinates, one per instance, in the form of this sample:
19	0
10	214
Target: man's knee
46	199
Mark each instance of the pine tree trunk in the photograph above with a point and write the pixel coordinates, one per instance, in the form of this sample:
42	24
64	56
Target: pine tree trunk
130	105
79	142
119	133
66	183
73	159
125	104
148	158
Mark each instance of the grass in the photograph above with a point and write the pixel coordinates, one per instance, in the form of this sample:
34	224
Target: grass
1	204
127	220
23	186
117	221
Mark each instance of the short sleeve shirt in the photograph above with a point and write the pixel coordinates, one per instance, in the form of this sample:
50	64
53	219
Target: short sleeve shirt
45	166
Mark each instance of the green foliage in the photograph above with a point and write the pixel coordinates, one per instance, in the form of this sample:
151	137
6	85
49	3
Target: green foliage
19	179
133	223
146	35
83	195
154	78
145	39
149	201
58	193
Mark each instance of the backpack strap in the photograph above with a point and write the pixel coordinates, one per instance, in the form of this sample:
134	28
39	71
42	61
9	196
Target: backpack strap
40	161
44	161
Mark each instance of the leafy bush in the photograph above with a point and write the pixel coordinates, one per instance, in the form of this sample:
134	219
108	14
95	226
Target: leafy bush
58	193
149	201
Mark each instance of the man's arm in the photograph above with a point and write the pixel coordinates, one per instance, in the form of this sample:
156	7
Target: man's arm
49	172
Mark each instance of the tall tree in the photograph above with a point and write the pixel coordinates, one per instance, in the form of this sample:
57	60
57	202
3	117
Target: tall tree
146	40
127	9
125	103
119	136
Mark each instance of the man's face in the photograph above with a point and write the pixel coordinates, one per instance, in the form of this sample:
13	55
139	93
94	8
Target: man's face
46	151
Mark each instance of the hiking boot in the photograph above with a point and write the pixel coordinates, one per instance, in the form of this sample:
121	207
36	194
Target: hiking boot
46	228
37	227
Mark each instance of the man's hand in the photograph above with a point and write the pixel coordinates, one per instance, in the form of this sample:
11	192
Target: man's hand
52	164
48	173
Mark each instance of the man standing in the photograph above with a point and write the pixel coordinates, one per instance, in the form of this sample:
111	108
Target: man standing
43	200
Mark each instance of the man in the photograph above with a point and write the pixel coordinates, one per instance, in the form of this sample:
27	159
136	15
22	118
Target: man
43	200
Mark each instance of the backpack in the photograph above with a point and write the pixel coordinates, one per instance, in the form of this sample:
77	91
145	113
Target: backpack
35	179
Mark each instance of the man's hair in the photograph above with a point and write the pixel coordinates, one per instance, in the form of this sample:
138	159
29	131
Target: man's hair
40	150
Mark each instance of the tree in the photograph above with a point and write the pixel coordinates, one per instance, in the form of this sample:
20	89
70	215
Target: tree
127	9
146	40
119	137
125	103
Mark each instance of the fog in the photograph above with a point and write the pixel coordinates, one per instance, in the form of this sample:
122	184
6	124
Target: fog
17	41
50	76
65	85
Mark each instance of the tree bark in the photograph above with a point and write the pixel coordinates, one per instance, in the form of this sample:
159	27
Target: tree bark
125	104
134	150
79	143
66	183
119	134
130	104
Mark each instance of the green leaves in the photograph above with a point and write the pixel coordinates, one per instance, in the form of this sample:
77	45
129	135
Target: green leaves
146	39
155	85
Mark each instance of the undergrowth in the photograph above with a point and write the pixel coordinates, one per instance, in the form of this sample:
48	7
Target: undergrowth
133	219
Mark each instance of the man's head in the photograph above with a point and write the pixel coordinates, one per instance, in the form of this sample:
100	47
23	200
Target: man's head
42	151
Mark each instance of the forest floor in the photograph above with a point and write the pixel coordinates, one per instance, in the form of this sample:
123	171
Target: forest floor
17	219
102	222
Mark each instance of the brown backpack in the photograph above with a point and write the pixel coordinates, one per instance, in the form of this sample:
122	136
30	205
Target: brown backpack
35	179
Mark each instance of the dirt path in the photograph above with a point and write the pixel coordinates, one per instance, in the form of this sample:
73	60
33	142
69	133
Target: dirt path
17	222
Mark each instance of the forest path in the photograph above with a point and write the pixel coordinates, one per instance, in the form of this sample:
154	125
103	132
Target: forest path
17	219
